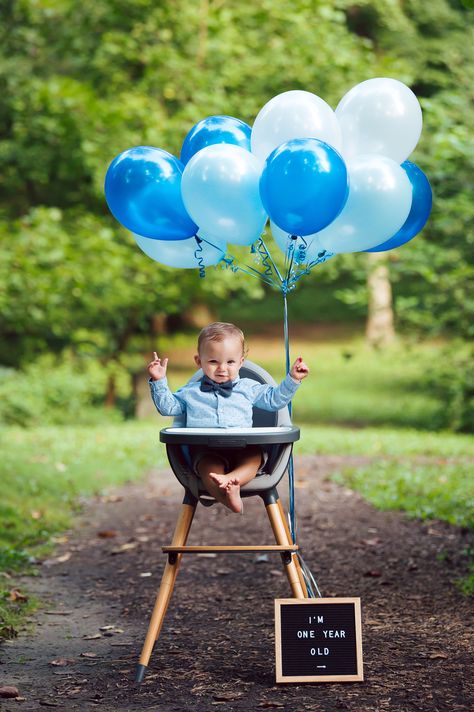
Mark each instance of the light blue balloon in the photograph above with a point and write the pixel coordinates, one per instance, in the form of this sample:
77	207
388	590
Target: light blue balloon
220	189
143	192
215	129
379	201
186	254
307	249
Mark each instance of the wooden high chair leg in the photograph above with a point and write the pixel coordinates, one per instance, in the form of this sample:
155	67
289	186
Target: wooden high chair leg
290	541
280	529
183	525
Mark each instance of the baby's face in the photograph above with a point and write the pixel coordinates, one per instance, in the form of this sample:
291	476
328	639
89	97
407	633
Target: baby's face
221	360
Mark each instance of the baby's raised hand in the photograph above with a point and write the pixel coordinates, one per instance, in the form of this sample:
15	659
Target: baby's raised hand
299	370
157	367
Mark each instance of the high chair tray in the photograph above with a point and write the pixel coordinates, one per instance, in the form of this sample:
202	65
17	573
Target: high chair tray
230	437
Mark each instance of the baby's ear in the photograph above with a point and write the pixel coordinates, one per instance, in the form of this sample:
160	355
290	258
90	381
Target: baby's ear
197	360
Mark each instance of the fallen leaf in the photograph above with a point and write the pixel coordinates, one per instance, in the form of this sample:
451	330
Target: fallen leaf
16	595
374	541
8	691
373	574
58	560
438	655
209	555
57	613
146	574
61	662
125	547
107	627
276	572
270	703
224	696
107	534
88	655
92	637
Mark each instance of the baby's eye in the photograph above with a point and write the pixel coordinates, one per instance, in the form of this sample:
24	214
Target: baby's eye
213	360
231	361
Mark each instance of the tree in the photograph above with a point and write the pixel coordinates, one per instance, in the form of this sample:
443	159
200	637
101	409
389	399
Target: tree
81	82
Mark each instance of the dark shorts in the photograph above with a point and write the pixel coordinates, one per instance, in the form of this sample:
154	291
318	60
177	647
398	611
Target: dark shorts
231	457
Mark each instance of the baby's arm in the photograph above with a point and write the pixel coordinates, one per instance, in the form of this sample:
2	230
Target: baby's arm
275	397
299	370
156	368
165	402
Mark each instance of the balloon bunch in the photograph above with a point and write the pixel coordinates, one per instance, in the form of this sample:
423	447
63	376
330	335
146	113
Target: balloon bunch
330	182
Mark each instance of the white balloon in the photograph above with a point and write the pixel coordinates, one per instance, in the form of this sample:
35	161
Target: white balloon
294	114
380	195
310	243
220	190
379	116
184	254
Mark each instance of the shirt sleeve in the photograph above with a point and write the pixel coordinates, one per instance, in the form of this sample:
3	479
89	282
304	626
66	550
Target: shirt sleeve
166	403
269	397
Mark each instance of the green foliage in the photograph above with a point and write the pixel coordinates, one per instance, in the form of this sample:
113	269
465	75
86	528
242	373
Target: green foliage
451	379
466	583
81	82
49	393
435	490
14	613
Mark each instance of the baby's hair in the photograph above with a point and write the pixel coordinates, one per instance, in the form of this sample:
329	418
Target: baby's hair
220	330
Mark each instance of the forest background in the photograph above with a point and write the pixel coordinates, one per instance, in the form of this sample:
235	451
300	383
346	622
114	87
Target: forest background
81	307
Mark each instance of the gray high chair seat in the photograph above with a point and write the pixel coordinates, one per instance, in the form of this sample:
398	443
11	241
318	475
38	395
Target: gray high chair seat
271	429
275	433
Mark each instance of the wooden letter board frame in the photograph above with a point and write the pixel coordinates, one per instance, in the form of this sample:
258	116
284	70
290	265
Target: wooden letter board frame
323	643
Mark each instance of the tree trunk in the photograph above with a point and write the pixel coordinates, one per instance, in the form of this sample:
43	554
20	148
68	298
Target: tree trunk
379	328
110	395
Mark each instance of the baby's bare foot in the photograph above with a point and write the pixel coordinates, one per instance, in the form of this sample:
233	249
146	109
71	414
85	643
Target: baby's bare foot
232	495
219	479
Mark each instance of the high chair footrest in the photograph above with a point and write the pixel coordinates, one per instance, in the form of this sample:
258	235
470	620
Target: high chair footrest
227	548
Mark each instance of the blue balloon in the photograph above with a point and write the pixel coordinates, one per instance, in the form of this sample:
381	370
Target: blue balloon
304	185
215	129
422	200
143	192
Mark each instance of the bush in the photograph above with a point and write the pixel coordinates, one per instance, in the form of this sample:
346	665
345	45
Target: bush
451	380
52	393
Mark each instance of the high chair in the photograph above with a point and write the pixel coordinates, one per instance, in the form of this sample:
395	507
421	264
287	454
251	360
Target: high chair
271	429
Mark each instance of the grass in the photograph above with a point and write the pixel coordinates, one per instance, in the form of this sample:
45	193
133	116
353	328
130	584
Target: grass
435	490
46	470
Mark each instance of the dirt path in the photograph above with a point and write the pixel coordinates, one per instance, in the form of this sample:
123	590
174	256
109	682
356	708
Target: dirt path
216	647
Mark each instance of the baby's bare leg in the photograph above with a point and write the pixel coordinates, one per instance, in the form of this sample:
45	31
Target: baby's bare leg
240	475
209	468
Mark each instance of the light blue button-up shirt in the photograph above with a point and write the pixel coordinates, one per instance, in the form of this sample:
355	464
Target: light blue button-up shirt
208	409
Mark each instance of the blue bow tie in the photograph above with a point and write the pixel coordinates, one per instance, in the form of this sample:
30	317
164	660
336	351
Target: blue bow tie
223	389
